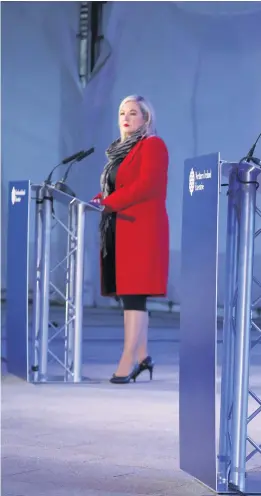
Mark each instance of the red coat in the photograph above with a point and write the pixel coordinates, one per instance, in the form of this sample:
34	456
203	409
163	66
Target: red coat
142	227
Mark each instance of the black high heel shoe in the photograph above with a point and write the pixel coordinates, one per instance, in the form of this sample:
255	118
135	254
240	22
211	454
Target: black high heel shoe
146	364
116	379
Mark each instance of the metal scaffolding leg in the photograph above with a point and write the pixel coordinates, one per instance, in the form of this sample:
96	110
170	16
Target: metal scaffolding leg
79	294
228	330
44	285
70	299
243	327
36	285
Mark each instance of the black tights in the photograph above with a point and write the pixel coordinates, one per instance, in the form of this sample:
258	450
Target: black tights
134	302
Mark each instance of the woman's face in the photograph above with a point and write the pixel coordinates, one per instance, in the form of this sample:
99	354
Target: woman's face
130	118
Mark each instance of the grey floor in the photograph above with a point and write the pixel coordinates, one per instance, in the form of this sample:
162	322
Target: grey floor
96	439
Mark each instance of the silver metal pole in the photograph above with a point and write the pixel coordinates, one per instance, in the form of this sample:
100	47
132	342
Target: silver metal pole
36	285
69	312
44	285
243	327
228	331
79	277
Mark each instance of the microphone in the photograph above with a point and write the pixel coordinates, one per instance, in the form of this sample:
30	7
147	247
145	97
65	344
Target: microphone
252	149
63	162
72	157
60	185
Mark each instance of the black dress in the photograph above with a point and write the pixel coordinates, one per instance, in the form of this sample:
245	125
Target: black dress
108	262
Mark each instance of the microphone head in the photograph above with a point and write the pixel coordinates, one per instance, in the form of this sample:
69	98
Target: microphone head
72	157
85	154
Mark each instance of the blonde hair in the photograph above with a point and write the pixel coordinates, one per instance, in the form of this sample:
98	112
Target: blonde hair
147	111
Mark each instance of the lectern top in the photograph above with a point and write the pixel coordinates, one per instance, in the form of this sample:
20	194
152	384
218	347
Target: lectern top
64	198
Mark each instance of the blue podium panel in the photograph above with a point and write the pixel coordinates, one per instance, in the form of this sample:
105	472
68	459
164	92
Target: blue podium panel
198	319
17	278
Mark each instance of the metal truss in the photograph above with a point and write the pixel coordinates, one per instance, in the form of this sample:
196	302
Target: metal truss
238	324
254	326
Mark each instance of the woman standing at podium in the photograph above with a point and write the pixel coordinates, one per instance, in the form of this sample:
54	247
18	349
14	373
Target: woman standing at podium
134	229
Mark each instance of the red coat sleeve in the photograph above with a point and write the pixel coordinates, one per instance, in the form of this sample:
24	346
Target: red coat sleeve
151	180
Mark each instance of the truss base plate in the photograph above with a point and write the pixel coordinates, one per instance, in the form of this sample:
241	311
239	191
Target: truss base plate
253	486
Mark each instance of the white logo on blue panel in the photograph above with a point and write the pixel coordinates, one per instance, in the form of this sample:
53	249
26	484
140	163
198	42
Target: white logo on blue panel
196	178
16	195
191	181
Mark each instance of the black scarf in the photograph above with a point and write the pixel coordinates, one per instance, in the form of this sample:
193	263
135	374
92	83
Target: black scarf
116	153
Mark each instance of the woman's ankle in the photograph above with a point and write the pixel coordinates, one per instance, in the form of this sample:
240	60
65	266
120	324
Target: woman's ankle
142	355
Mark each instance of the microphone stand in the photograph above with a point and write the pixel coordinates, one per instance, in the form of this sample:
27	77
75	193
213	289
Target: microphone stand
249	157
63	162
61	186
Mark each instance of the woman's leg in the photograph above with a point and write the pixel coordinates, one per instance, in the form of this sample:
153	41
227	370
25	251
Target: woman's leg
135	333
142	351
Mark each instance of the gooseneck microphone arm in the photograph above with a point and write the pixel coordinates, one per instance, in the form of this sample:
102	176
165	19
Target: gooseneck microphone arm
252	149
63	162
60	185
78	159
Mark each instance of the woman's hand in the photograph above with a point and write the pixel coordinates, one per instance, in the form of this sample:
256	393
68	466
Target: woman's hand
98	202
